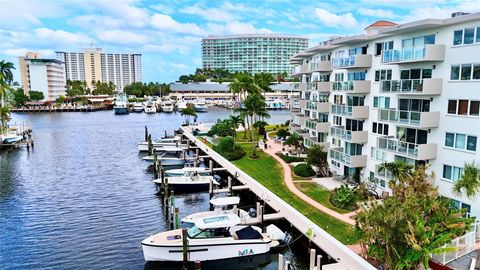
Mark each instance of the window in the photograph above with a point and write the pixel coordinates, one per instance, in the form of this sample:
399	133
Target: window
461	141
379	47
462	107
457	37
468	35
380	128
337	120
383	75
452	107
357	75
476	71
474	108
465	72
452	173
381	102
455	73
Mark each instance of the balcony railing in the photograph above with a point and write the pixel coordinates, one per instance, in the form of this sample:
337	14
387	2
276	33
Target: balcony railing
358	112
410	118
353	61
322	66
425	86
349	160
429	52
309	141
355	87
348	135
417	151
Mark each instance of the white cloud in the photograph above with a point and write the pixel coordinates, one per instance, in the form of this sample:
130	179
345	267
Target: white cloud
334	20
234	28
167	23
21	14
215	14
88	21
384	13
121	37
23	51
60	36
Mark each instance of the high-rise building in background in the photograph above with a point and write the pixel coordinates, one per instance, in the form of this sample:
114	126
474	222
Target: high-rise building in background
93	65
408	92
44	75
251	53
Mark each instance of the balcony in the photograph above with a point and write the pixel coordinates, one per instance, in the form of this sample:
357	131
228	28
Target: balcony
353	61
412	150
428	53
302	103
323	87
349	160
322	66
298	71
317	126
352	87
348	135
309	141
410	118
355	112
429	87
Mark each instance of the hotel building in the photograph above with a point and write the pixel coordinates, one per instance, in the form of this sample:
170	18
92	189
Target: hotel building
44	75
408	92
94	65
252	53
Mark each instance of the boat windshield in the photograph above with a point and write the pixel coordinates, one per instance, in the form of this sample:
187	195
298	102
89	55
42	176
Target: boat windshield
195	232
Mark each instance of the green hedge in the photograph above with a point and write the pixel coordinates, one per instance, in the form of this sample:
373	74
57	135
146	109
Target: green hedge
303	170
290	159
235	154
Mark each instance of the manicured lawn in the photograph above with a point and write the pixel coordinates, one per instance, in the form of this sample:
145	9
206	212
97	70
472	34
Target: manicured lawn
319	194
256	136
268	172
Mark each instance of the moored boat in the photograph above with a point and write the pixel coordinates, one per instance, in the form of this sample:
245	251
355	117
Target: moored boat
121	106
200	105
150	107
220	207
167	106
161	143
188	182
138	107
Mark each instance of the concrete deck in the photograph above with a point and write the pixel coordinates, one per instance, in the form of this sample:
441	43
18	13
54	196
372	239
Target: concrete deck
345	257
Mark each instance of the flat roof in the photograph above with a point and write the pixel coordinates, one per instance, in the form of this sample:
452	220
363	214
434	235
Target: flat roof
258	35
43	60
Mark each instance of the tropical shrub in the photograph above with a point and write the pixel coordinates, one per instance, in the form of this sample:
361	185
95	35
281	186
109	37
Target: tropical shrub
283	133
237	153
303	170
344	198
228	149
225	144
290	159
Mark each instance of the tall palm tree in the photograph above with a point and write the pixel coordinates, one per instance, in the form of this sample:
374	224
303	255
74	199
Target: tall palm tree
4	118
469	182
236	121
243	84
399	170
6	78
254	105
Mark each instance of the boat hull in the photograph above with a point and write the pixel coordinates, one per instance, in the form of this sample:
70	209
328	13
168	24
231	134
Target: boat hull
12	139
216	251
120	110
143	146
168	162
201	109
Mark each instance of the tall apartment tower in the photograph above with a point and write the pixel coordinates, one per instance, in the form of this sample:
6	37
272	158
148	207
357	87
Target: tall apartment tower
44	75
251	53
94	65
408	92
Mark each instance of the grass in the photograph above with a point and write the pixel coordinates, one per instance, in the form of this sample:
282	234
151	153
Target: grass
319	194
256	135
272	178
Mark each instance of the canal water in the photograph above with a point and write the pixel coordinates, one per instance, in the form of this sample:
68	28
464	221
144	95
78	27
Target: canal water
83	198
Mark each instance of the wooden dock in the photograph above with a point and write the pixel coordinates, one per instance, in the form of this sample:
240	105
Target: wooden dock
345	258
21	129
60	109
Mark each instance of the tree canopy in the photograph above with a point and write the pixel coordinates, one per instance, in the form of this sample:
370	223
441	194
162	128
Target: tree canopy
36	95
140	89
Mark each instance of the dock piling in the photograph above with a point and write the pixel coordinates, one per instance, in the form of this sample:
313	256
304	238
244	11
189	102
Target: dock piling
287	265
146	133
311	265
229	184
319	262
185	249
198	265
177	218
280	262
210	190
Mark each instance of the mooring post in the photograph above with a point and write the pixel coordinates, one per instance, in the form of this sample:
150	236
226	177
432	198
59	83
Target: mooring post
150	144
165	133
177	218
197	154
319	262
280	262
210	191
312	259
185	249
198	265
210	165
146	133
287	265
229	184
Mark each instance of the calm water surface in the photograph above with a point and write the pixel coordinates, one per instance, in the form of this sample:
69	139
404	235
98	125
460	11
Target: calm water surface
83	198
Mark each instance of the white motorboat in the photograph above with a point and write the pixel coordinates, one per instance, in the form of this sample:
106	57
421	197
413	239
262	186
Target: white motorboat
200	105
10	138
221	206
150	107
167	106
212	238
161	143
170	156
138	107
188	182
121	105
181	105
179	172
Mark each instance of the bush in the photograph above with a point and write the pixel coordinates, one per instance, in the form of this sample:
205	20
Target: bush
283	133
303	170
344	198
290	159
226	144
237	153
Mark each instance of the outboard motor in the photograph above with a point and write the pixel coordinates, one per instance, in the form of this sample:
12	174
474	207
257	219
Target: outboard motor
252	212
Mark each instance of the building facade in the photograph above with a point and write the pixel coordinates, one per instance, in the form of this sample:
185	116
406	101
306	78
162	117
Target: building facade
251	53
44	75
407	92
94	65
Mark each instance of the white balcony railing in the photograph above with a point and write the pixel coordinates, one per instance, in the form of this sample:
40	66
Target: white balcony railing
425	86
417	151
429	52
411	118
349	160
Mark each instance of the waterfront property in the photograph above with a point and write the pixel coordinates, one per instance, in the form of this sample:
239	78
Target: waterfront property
404	92
94	65
252	53
44	75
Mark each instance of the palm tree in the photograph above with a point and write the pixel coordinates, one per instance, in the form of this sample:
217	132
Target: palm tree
399	170
254	105
469	182
243	84
188	112
236	121
4	118
6	78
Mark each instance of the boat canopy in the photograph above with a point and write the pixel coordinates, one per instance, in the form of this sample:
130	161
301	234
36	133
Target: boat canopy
169	139
170	149
223	201
220	221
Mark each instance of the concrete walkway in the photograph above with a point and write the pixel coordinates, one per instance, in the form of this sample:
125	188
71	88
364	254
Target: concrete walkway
273	148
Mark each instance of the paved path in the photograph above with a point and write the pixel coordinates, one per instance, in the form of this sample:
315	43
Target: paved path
273	148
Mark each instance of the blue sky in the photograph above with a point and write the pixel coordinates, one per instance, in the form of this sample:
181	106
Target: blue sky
168	33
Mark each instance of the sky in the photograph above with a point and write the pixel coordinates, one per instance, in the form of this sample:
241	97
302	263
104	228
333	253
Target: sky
168	33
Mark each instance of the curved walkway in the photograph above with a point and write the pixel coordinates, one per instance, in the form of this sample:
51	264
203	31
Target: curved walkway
273	148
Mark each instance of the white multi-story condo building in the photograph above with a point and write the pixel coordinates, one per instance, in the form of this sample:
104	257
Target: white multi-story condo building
252	53
94	65
41	74
408	92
